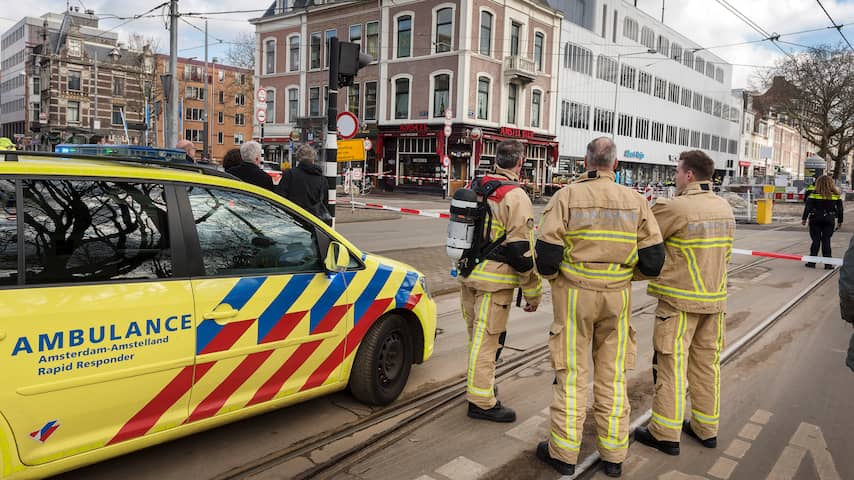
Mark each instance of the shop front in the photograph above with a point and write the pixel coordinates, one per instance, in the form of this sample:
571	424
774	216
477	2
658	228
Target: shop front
541	157
634	168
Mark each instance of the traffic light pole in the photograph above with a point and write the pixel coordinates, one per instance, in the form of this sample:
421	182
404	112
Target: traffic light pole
330	133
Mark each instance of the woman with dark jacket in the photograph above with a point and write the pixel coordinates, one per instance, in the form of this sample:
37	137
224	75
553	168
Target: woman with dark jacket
305	184
248	168
823	209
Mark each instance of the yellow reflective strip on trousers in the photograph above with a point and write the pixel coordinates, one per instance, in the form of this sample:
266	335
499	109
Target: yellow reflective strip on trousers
678	365
718	348
685	294
694	270
619	383
572	366
566	443
574	269
611	445
477	341
666	422
703	418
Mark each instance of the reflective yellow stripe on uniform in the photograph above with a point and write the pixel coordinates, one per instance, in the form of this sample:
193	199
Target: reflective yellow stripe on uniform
476	344
710	297
613	440
694	270
719	346
493	277
606	235
570	441
703	418
582	271
712	242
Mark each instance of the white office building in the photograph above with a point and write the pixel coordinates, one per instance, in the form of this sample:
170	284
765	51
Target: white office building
667	93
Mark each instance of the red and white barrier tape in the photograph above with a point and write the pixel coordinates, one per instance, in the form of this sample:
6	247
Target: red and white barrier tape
787	256
410	211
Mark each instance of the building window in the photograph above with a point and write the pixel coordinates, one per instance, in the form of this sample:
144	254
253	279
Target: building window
725	113
515	35
486	33
74	80
698	102
671	135
603	120
354	97
686	97
293	104
657	132
401	98
270	56
719	74
404	37
627	76
240	119
695	139
539	42
579	116
72	112
710	70
220	138
647	37
314	51
699	64
240	99
578	59
356	35
483	98
325	98
37	85
75	47
314	101
708	105
512	96
673	93
441	94
606	68
663	46
676	52
717	109
645	83
271	106
688	58
118	86
660	89
630	28
624	125
370	100
604	19
444	30
372	42
642	128
220	117
536	102
238	139
707	140
328	34
116	118
294	52
221	97
220	76
716	143
194	114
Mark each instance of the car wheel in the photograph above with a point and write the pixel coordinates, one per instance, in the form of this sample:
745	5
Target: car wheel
383	362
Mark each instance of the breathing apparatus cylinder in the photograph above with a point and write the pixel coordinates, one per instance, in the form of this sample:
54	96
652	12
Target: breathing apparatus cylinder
461	228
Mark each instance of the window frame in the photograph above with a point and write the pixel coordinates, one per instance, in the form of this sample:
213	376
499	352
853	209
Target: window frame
373	117
483	76
436	25
376	36
394	81
268	69
536	92
311	50
539	60
489	39
79	114
396	38
433	76
291	65
288	103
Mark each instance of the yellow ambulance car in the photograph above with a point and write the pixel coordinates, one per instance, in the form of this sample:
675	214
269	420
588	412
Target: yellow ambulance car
141	302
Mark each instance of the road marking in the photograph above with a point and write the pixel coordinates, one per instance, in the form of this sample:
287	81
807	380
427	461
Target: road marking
750	431
532	430
761	417
737	448
461	468
808	438
723	468
633	465
425	477
674	475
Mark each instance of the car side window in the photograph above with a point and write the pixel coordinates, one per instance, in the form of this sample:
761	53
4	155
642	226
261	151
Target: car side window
242	234
95	230
8	234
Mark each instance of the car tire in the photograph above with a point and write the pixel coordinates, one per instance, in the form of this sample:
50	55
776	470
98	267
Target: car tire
383	361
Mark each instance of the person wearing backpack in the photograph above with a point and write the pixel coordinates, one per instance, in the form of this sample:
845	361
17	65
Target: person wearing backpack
486	292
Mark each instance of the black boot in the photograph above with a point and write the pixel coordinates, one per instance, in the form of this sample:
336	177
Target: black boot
642	435
810	265
829	267
562	467
612	469
494	414
708	443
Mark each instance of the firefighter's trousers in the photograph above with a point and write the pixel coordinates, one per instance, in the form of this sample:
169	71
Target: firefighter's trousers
602	319
688	350
485	314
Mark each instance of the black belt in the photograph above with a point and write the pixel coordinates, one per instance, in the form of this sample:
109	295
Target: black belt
498	254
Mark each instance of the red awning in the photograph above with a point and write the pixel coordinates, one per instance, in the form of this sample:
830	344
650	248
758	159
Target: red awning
742	163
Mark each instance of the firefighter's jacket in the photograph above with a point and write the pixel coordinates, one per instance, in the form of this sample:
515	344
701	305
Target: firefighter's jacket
698	228
513	214
594	233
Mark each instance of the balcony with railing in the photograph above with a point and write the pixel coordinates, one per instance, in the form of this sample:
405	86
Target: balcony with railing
520	68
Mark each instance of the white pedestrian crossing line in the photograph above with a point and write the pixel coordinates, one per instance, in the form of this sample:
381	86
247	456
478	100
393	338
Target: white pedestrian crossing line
750	431
737	448
461	468
532	430
807	439
425	477
723	468
761	417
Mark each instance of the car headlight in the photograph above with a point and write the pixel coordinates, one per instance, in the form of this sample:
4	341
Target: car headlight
423	280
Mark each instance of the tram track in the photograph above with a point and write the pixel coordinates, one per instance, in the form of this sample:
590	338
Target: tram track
371	433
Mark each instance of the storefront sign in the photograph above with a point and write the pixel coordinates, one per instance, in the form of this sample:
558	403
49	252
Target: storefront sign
516	132
631	154
351	150
742	163
414	128
419	160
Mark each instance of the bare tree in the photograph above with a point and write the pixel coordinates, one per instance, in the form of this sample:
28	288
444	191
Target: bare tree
241	52
817	92
136	41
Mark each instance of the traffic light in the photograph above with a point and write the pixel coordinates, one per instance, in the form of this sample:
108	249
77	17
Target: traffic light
350	60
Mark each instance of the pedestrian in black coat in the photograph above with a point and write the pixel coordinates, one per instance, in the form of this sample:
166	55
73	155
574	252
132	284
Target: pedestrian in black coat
823	210
249	169
305	184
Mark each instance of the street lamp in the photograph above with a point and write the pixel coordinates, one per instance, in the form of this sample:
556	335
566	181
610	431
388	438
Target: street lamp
617	85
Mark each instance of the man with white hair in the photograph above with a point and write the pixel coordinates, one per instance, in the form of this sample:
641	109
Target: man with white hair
249	169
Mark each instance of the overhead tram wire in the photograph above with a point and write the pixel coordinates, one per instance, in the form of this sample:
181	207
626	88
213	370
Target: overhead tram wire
753	25
837	27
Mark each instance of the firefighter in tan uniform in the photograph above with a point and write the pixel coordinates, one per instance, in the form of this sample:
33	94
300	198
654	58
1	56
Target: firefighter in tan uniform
698	228
593	235
487	293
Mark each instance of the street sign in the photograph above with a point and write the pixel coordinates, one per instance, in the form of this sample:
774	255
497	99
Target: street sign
447	130
351	150
446	161
348	125
261	95
449	114
476	133
368	144
261	115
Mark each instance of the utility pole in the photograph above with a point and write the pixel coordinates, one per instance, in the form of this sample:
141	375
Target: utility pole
330	133
205	111
171	133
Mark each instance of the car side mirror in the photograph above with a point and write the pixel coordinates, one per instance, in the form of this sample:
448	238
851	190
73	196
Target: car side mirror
337	257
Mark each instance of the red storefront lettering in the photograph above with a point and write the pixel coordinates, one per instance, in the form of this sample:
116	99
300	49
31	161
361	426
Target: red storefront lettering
414	127
516	132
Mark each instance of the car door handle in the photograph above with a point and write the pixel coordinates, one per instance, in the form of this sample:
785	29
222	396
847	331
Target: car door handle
221	316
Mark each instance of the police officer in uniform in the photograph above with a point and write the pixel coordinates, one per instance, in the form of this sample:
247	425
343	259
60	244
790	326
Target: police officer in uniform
593	235
487	293
688	336
823	208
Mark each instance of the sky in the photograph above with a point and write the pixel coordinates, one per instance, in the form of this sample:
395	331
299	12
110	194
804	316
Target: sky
708	22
